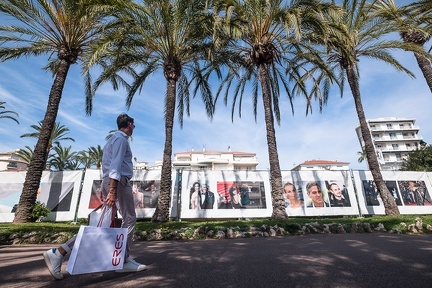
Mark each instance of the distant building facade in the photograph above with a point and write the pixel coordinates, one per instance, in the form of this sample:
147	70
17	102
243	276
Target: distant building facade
393	138
9	161
321	165
215	160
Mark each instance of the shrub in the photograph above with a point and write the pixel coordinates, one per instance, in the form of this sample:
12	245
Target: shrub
38	211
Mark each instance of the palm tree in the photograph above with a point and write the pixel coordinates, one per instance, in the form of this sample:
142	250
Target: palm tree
414	22
110	134
270	50
91	156
85	159
58	134
63	158
96	154
168	36
362	156
6	114
360	33
25	154
64	30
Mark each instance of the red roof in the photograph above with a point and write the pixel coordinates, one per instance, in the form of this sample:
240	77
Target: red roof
322	162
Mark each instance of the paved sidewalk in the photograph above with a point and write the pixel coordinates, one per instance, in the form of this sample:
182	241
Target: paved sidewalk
335	260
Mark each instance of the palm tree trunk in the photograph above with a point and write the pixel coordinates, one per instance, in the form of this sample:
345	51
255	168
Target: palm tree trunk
426	68
388	200
162	210
38	162
278	202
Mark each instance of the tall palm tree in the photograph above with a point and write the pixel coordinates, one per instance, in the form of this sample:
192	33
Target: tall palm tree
168	36
63	30
62	159
414	23
359	33
6	114
270	48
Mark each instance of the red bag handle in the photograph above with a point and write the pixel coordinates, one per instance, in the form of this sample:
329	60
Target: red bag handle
113	216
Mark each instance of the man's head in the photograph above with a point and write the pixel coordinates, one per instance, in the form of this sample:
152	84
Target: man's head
314	192
125	123
335	189
204	188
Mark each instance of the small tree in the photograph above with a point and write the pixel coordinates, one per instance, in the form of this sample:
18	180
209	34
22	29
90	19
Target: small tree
418	160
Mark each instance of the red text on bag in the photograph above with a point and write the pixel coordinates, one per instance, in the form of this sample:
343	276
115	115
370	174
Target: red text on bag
116	259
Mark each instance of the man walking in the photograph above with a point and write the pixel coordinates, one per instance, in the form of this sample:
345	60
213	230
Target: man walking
117	171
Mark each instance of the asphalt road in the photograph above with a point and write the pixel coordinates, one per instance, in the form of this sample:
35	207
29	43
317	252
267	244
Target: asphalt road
335	260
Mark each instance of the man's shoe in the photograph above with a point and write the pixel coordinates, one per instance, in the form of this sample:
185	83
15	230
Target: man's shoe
53	262
131	266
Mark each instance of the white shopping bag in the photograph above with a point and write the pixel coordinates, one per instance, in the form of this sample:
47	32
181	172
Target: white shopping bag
97	249
103	216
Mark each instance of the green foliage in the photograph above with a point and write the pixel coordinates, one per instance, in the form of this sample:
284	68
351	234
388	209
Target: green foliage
7	114
38	211
63	159
418	160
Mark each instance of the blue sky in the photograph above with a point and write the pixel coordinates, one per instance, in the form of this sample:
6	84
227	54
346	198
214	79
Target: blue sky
329	135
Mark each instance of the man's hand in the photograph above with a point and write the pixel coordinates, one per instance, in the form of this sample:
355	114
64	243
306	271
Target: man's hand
112	195
111	198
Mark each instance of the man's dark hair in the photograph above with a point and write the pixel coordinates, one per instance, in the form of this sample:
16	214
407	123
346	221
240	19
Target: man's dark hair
123	120
311	184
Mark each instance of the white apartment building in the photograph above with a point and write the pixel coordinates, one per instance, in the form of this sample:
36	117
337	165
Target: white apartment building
393	138
11	162
215	160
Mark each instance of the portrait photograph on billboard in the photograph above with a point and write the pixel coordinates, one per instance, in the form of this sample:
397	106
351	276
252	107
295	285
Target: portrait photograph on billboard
414	193
241	195
411	191
145	189
308	193
372	196
225	194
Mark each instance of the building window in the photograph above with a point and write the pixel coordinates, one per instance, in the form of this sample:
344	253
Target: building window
14	157
395	146
392	135
12	165
398	157
375	136
389	126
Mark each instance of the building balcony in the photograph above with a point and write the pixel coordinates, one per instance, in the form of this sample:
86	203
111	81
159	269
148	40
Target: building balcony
397	128
398	139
